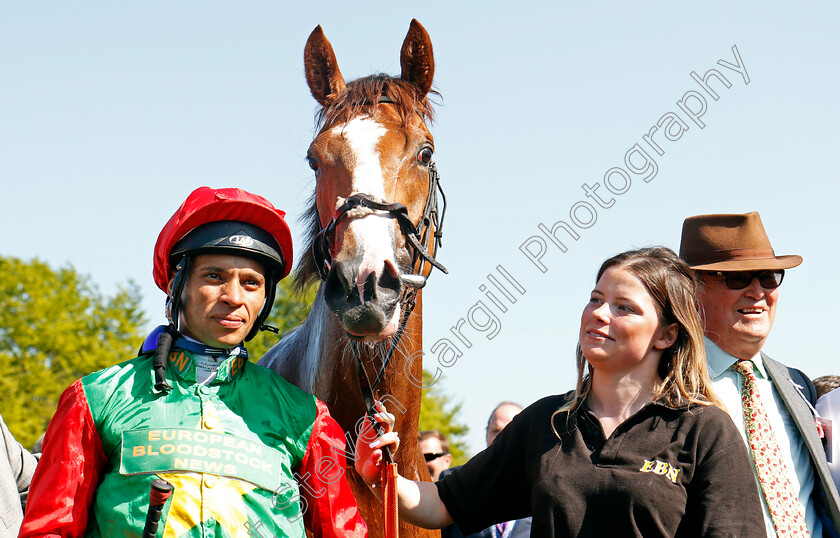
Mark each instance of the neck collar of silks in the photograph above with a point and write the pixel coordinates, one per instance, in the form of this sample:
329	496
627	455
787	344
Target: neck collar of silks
159	343
189	344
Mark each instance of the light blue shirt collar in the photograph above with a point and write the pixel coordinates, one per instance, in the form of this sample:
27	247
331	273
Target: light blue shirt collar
719	361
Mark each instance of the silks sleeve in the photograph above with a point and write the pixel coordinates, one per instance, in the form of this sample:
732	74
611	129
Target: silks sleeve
330	510
68	473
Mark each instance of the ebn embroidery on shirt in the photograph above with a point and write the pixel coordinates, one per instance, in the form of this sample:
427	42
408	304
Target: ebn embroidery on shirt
661	468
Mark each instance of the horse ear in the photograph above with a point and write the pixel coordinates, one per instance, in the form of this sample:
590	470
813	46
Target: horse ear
417	59
322	73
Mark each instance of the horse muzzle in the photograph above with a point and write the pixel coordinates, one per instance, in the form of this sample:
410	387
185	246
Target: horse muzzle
366	304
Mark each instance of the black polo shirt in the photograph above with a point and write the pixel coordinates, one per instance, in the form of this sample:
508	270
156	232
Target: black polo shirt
662	472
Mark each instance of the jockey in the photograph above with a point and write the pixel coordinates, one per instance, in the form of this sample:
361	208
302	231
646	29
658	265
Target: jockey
248	454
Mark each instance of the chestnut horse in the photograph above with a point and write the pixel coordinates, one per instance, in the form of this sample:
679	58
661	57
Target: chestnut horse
372	238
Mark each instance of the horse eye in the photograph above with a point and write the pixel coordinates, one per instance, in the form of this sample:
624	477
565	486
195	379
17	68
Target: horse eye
425	155
313	164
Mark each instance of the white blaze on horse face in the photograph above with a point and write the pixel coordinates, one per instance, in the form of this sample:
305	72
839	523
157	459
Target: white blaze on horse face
373	235
363	135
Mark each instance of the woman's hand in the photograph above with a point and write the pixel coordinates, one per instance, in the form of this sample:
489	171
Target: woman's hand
369	445
418	501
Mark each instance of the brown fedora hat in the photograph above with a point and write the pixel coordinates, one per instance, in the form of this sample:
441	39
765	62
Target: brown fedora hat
730	243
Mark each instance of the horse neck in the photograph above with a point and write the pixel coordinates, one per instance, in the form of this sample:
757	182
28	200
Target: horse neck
338	386
317	358
399	389
403	384
297	357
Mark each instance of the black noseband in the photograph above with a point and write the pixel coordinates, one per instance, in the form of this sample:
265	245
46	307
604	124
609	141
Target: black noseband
416	236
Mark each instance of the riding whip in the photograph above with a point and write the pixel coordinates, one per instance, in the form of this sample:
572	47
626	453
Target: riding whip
159	492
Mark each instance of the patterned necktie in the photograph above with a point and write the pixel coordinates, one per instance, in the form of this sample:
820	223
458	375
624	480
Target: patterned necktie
785	510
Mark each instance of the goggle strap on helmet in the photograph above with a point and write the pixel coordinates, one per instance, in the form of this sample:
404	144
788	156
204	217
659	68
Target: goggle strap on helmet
161	357
170	334
270	291
173	300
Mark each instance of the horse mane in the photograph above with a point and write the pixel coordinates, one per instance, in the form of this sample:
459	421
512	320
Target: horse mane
360	97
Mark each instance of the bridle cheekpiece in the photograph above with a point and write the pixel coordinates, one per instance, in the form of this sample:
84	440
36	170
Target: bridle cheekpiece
323	246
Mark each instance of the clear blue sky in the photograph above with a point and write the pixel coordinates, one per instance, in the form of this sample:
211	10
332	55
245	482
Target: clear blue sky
110	113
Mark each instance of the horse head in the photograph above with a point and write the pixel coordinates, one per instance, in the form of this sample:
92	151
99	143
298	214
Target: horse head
374	211
374	229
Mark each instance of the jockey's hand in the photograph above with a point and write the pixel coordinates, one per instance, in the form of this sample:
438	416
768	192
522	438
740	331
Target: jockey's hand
369	445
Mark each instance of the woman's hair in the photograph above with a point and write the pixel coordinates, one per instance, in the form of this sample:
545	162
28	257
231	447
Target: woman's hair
672	286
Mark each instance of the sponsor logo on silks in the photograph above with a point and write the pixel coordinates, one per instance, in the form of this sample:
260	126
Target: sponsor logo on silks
184	449
235	366
661	468
180	360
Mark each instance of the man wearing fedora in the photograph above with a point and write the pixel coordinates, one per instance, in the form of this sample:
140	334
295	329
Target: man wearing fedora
739	276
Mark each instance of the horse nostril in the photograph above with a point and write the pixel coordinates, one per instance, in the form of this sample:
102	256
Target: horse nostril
390	268
339	284
349	291
391	283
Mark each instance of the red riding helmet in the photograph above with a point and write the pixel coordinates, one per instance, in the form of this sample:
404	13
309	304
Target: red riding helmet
230	221
205	205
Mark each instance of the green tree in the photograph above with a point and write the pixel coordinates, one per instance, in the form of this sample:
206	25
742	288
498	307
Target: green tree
438	412
290	309
55	327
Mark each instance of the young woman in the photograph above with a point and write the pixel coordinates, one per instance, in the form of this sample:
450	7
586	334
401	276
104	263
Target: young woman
639	448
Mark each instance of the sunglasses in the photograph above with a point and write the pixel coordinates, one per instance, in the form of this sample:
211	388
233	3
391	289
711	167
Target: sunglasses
738	280
431	456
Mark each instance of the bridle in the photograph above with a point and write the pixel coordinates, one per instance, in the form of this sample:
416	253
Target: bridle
416	237
323	246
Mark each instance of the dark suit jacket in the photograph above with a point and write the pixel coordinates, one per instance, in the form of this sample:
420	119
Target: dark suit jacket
786	381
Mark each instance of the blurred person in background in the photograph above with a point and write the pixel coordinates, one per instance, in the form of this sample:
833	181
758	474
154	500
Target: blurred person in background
435	448
828	407
825	384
